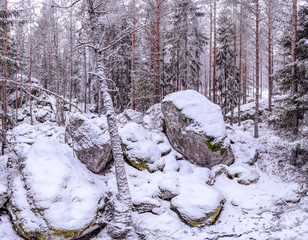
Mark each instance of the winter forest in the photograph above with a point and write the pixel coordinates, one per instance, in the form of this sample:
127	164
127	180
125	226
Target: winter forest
154	119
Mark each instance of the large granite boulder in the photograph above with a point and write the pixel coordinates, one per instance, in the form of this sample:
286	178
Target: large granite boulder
52	195
195	128
90	143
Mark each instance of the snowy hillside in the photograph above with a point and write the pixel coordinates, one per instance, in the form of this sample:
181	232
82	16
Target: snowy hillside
259	196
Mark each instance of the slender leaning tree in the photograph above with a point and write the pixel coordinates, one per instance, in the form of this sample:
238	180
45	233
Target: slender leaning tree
123	203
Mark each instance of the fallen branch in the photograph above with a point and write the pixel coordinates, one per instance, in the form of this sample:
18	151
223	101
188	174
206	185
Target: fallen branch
39	88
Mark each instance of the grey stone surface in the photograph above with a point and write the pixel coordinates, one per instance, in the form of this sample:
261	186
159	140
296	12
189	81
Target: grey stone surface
188	137
90	143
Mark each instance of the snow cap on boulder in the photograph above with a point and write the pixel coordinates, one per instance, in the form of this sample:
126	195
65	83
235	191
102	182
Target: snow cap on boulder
53	196
195	127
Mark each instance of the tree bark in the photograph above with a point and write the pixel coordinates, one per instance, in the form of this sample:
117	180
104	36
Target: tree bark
240	68
234	64
245	77
270	83
211	40
294	83
256	120
215	57
173	55
123	204
133	67
71	59
4	120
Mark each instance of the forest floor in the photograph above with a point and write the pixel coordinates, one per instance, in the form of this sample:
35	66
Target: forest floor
274	205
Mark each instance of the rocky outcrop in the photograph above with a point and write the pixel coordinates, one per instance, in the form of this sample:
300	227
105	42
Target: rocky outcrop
153	119
195	128
53	196
90	143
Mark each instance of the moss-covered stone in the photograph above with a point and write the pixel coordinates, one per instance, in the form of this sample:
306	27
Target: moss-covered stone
66	233
140	164
216	213
214	147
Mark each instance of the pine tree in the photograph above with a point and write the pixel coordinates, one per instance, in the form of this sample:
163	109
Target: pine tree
295	74
225	58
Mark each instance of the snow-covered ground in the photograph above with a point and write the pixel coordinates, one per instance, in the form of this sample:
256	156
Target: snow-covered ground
266	198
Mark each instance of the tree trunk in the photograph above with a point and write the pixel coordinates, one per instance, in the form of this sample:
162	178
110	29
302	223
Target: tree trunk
157	72
133	67
210	64
4	119
123	204
240	69
85	78
270	83
256	120
215	49
245	77
71	59
173	55
294	83
30	63
234	64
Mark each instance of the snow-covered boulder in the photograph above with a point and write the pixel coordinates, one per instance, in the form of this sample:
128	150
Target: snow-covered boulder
129	115
91	144
3	181
196	129
198	204
3	195
153	119
243	175
247	111
53	196
169	187
44	114
138	146
145	204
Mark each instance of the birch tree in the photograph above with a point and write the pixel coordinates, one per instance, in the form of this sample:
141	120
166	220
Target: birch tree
123	204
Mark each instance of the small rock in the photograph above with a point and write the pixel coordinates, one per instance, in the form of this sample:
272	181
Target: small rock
145	204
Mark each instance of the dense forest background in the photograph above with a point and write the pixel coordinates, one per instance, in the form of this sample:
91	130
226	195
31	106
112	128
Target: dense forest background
231	51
